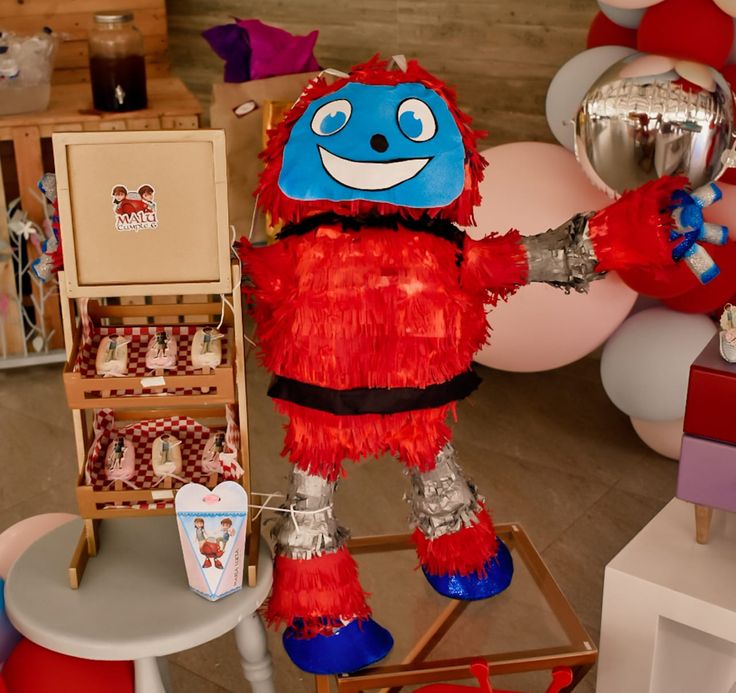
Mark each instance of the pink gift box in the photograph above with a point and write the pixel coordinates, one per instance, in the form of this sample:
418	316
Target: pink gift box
707	473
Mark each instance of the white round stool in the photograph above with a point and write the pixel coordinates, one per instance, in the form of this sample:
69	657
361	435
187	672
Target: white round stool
134	602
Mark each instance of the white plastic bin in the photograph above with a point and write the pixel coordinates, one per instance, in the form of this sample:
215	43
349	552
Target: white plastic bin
26	64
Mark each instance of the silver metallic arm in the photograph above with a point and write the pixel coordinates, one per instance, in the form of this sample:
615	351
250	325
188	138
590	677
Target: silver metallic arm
563	257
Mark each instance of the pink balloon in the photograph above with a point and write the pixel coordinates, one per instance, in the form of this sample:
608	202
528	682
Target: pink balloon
632	4
648	65
724	212
532	186
664	437
17	538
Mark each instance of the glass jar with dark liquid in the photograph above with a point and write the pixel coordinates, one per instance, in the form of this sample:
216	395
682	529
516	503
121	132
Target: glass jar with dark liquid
116	63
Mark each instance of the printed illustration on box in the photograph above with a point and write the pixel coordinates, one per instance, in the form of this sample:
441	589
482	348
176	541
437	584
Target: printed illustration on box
212	533
369	309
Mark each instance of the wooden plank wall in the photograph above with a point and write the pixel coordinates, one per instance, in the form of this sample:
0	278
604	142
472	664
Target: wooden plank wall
500	54
73	19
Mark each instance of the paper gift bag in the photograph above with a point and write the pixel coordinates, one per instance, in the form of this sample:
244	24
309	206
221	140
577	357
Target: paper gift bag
212	526
239	110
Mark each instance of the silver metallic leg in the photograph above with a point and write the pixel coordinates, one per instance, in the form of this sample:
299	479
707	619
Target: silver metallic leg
307	534
250	636
442	501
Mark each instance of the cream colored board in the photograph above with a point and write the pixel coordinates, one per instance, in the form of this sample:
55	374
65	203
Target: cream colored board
180	165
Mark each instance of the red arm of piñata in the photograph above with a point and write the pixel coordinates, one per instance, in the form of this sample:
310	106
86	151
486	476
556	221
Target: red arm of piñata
269	269
634	230
496	264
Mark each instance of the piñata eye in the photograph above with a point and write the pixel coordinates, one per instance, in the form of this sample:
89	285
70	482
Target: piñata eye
416	120
332	117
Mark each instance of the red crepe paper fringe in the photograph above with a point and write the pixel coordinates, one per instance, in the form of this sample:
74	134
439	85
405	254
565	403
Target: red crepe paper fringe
634	231
379	307
317	594
495	264
318	441
463	552
375	71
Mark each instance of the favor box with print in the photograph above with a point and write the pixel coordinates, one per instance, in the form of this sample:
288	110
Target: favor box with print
212	533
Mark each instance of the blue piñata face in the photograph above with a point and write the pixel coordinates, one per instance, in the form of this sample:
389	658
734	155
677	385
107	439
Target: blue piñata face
396	144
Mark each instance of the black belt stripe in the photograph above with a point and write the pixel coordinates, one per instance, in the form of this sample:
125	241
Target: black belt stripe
373	400
424	224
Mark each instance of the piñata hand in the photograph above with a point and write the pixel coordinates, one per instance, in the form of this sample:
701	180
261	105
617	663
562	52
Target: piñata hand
691	230
657	225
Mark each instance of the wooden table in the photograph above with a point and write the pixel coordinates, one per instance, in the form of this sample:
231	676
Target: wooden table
171	106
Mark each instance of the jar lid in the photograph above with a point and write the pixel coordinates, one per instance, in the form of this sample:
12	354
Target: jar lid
113	16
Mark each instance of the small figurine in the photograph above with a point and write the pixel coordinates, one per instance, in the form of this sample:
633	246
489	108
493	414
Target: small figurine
211	456
728	333
166	456
209	546
206	348
120	460
112	356
161	352
226	531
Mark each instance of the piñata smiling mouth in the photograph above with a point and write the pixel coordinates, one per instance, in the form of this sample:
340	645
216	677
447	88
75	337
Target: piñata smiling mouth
370	175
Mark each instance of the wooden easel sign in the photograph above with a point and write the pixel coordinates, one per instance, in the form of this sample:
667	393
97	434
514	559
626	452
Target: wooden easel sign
143	213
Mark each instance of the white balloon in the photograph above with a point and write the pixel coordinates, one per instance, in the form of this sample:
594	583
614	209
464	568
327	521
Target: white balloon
633	4
626	18
571	83
645	365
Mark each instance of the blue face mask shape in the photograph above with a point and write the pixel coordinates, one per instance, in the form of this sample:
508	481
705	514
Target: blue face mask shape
395	144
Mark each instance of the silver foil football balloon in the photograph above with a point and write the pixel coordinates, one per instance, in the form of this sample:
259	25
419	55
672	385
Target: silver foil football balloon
630	130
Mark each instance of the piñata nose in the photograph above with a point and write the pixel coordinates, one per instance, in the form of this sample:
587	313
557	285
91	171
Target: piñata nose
379	143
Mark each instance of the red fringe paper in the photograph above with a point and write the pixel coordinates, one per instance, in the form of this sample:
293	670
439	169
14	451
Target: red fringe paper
314	595
463	552
634	231
271	199
379	307
318	441
495	264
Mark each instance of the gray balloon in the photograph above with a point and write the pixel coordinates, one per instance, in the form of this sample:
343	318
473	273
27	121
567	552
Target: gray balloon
626	18
630	130
645	365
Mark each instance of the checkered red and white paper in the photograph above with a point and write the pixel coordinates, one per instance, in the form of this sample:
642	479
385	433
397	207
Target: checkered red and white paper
142	434
139	337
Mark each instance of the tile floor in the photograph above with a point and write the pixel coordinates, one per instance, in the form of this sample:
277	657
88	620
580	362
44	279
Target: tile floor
548	450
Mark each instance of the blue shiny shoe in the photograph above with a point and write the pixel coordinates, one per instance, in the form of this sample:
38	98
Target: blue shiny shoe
468	588
347	649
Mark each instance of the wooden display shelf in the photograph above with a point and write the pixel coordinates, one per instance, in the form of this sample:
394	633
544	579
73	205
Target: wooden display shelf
111	502
120	501
182	387
575	648
171	106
